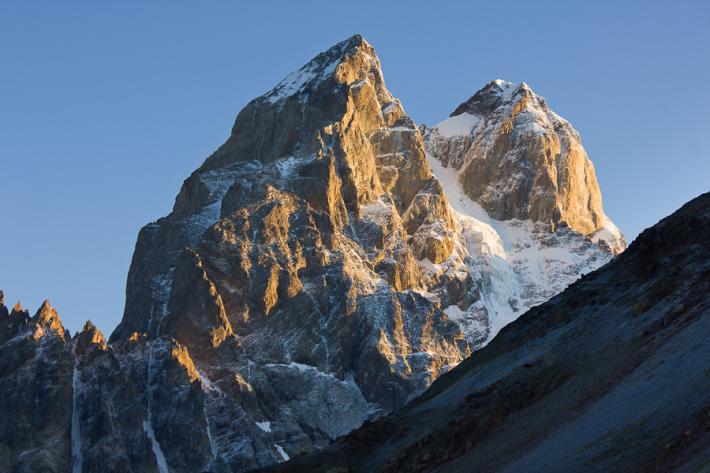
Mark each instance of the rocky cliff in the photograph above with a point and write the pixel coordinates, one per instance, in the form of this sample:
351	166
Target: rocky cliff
610	375
319	270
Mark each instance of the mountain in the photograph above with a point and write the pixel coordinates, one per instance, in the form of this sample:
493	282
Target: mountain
611	375
524	198
289	263
320	269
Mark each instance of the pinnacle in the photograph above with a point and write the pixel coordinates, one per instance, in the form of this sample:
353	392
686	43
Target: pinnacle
47	318
319	68
46	312
492	95
339	50
348	45
89	336
89	327
354	40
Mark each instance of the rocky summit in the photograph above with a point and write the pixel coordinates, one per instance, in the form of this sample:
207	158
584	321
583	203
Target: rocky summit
322	268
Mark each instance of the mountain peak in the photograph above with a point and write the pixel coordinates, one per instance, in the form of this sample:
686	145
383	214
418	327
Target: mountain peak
495	94
314	255
17	308
322	67
89	336
12	322
353	42
520	160
286	120
47	319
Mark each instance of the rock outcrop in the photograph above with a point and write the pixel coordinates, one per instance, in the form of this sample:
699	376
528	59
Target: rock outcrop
610	375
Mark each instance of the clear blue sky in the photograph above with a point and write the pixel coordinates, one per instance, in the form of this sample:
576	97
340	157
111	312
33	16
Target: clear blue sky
105	107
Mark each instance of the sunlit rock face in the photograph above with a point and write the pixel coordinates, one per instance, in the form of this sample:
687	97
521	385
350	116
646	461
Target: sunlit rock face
519	159
320	269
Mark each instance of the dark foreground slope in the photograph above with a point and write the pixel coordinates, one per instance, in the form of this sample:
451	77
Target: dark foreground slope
611	375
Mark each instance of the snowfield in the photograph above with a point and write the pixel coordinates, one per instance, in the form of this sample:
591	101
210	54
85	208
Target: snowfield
521	264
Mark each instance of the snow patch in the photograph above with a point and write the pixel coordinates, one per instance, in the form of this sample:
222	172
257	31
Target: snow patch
611	234
454	313
213	444
264	426
162	288
218	182
157	451
148	423
289	166
207	384
379	212
519	263
282	452
77	455
459	125
297	80
390	107
507	88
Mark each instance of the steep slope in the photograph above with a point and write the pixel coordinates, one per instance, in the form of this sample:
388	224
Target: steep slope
611	375
525	202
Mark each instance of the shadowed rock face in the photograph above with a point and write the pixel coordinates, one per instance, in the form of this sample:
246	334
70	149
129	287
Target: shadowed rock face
610	375
36	390
312	275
